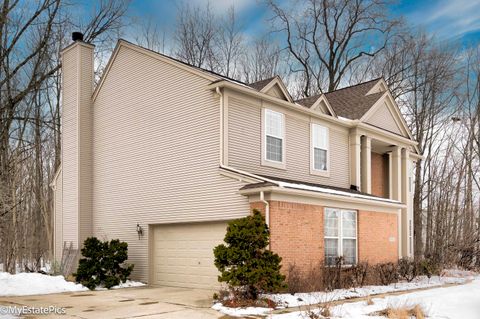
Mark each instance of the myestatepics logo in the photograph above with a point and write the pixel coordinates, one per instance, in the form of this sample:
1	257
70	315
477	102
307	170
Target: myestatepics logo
27	310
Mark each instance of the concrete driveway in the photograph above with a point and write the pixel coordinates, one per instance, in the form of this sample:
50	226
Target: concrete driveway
144	302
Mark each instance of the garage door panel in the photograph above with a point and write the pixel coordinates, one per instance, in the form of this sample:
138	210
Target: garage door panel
183	254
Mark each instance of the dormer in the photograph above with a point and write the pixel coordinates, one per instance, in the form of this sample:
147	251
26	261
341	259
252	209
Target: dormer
318	103
274	87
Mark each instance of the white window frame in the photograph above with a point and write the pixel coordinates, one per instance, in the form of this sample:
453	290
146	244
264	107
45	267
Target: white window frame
313	170
340	236
264	160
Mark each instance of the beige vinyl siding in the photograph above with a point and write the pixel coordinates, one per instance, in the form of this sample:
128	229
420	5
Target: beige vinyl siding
76	142
156	153
244	144
85	142
384	119
69	147
58	248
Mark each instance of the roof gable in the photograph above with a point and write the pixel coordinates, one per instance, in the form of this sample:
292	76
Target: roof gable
386	115
259	85
318	103
273	87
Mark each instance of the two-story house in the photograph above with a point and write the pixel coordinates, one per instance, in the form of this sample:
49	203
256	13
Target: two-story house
162	155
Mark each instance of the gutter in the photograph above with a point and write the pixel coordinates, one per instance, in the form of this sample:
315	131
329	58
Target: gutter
305	193
285	187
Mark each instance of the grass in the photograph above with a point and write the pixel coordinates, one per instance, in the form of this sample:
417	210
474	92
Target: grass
403	312
369	300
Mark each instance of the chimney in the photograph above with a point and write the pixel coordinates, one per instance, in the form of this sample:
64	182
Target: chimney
77	36
77	88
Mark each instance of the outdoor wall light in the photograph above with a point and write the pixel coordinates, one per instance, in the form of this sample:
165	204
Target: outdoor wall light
139	231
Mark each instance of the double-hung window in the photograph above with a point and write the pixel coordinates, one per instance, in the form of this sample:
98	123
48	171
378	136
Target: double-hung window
340	235
319	148
274	136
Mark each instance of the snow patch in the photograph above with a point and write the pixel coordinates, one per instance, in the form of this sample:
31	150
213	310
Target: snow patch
303	299
127	284
345	310
240	312
443	302
24	284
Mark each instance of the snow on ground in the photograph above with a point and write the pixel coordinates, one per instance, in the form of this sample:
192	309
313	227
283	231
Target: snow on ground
305	299
127	284
462	302
302	299
24	284
240	312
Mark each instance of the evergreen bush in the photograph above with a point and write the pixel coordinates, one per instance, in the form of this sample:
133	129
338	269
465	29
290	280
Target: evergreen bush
244	262
103	263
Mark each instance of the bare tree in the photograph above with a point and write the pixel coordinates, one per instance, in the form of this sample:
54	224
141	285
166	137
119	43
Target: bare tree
230	44
261	60
150	36
31	35
331	36
195	36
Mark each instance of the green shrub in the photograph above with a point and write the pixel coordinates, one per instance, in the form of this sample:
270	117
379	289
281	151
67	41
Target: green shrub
103	263
244	262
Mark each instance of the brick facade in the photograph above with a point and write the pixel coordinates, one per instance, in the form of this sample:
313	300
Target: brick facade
377	237
297	234
379	175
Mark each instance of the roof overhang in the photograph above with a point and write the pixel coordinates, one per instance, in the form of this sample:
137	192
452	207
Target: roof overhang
316	192
323	196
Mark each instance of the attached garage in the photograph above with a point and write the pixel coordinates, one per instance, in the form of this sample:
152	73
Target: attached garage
182	254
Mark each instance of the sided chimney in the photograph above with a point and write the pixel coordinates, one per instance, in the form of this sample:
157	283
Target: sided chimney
77	88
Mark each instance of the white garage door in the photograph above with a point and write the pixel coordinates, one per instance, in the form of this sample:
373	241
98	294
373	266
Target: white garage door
183	254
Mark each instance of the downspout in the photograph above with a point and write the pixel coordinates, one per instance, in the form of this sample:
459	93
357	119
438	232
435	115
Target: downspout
219	92
267	211
221	157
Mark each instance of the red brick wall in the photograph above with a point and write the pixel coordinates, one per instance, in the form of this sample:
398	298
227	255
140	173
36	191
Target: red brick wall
297	234
374	232
379	175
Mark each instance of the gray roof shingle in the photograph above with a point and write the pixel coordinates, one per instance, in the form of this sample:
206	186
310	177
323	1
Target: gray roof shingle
259	85
350	102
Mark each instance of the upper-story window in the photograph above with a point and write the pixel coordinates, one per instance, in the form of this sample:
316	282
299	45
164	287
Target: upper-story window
274	136
320	147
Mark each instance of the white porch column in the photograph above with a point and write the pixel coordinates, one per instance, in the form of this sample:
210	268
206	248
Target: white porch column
366	164
355	159
396	173
405	193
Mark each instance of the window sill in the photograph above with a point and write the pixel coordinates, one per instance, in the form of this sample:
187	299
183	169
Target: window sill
319	173
273	164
